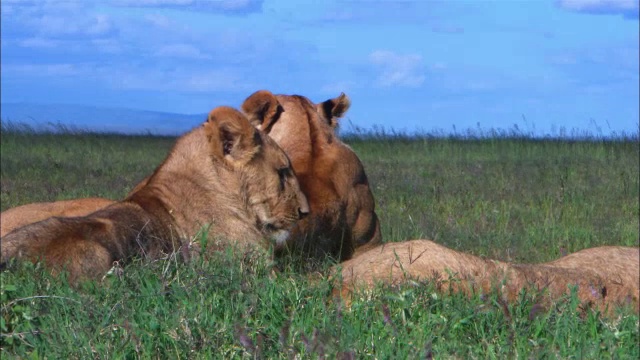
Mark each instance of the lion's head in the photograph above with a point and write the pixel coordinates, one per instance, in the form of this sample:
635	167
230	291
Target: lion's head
271	188
342	216
232	176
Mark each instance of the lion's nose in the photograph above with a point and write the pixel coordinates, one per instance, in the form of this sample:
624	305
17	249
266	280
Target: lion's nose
303	205
303	212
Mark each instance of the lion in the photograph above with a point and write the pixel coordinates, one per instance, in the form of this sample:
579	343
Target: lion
224	178
342	217
604	276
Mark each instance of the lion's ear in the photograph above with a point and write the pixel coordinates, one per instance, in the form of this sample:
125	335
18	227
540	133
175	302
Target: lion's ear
262	109
333	109
231	136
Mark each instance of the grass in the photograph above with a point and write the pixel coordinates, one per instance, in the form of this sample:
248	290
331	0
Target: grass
520	200
509	198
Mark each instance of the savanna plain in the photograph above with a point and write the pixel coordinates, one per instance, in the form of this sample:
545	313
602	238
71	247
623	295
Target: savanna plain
500	195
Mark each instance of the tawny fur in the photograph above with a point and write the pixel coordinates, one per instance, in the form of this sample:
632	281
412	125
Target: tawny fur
342	218
604	276
224	176
19	216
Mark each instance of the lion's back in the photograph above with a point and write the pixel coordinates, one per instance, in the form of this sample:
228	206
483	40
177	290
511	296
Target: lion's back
19	216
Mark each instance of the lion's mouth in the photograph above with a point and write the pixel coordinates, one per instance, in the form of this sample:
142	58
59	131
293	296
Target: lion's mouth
269	228
280	237
277	234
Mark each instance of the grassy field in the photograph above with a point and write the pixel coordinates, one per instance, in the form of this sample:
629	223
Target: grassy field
513	199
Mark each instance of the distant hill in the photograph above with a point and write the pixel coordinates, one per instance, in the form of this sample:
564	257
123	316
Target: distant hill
99	119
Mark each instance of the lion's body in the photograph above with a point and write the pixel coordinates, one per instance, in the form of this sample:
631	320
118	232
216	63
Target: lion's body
342	217
604	275
22	215
225	175
16	217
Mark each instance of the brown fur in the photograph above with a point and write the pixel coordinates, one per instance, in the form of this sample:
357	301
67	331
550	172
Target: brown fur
604	276
19	216
342	217
224	174
22	215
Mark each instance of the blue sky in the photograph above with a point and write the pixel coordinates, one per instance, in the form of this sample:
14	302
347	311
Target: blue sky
407	65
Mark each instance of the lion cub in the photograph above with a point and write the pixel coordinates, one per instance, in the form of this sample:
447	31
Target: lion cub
225	174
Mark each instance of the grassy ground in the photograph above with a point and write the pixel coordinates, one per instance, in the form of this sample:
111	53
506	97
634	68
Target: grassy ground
511	199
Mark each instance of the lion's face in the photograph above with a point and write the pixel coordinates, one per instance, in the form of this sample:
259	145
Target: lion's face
275	194
271	188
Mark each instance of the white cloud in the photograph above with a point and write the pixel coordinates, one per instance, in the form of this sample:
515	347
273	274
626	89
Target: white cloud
628	8
398	70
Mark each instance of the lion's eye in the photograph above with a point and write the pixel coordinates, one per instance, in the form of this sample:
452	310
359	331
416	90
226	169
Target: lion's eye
283	173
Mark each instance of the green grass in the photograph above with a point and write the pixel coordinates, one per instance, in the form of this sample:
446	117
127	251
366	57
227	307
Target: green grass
513	199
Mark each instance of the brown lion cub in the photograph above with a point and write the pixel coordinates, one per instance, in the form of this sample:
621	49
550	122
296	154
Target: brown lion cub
342	218
224	174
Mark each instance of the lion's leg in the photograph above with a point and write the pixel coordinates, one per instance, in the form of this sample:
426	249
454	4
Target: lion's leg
367	234
74	244
364	223
81	258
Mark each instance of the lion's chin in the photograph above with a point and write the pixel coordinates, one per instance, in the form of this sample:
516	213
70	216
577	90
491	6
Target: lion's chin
280	237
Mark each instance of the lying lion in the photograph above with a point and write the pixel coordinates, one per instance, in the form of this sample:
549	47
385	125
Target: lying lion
604	275
225	176
342	218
